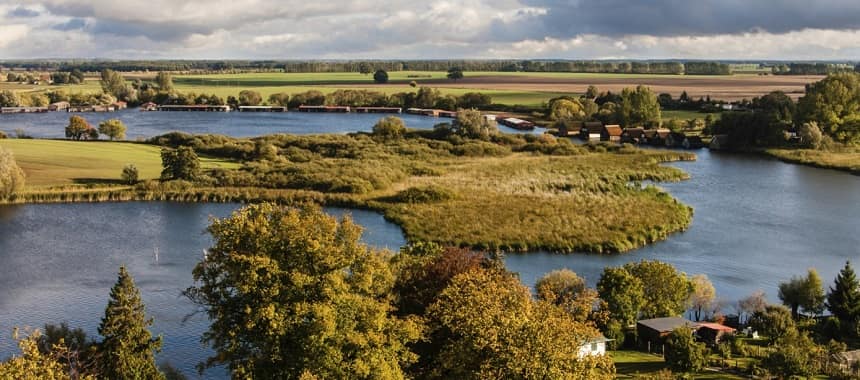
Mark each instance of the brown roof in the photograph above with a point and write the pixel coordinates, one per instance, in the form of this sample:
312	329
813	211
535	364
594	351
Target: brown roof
635	132
715	326
613	130
591	124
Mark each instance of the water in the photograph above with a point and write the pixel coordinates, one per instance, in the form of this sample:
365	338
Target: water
236	124
757	222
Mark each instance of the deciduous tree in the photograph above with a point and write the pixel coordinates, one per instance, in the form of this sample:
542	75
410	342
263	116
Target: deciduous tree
250	98
113	128
389	128
381	76
623	293
806	293
455	73
11	175
80	129
665	289
702	297
683	353
180	163
164	81
565	289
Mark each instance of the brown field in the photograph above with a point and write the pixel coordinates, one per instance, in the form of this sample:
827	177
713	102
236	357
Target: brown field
729	88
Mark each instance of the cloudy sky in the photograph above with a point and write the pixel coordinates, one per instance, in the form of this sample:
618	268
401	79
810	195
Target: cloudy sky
362	29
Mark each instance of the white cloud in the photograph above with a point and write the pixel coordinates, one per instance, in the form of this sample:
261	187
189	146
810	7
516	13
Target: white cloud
9	34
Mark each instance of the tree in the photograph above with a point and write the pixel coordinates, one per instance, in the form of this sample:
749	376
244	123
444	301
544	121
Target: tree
128	349
833	103
9	99
426	97
795	354
474	100
805	293
180	163
279	99
591	92
623	293
413	84
130	174
250	98
80	129
164	81
754	303
810	135
566	109
638	106
499	331
34	364
11	175
365	68
665	289
113	128
683	353
455	73
843	299
381	76
565	289
774	322
113	83
76	77
472	124
389	128
702	297
292	291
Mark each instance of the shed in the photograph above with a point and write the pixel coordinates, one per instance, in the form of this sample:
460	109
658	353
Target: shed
611	132
569	128
633	135
674	139
847	361
591	130
713	333
149	106
652	333
59	106
594	347
657	136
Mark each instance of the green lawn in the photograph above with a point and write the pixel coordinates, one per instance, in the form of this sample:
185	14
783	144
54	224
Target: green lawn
686	115
630	363
58	162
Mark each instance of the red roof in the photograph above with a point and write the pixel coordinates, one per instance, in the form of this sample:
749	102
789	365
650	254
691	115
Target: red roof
613	130
715	326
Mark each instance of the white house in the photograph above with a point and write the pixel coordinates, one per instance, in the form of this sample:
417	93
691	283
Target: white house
594	347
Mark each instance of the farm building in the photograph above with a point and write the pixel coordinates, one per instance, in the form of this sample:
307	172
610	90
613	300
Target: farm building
611	133
594	347
633	135
591	130
652	333
519	124
570	128
59	106
713	333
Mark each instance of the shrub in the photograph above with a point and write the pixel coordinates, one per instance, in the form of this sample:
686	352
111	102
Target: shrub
389	128
130	174
429	194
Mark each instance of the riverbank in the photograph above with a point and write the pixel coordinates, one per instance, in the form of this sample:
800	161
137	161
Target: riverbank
847	161
477	194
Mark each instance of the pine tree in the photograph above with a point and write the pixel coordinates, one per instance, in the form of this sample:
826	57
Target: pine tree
843	300
128	349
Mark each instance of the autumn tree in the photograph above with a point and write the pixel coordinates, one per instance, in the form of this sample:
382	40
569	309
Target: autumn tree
293	292
806	293
128	348
472	124
113	128
754	303
565	289
500	332
683	353
702	297
665	289
11	175
180	163
566	109
34	364
80	129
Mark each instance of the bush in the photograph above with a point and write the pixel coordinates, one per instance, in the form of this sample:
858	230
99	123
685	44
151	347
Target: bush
429	194
389	128
130	174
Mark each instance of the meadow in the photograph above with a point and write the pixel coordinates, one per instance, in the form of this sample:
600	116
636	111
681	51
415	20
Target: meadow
515	194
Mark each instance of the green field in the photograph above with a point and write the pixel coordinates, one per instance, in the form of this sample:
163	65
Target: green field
57	162
686	115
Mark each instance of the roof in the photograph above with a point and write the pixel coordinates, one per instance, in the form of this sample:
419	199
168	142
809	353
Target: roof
613	130
635	132
715	326
848	356
590	124
663	132
667	324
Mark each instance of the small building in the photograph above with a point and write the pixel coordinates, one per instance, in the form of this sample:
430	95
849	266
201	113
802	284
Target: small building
657	137
149	106
378	109
120	105
518	124
652	333
611	132
23	109
443	113
330	109
633	135
713	333
692	142
719	142
674	139
569	128
59	106
490	117
594	347
262	109
591	130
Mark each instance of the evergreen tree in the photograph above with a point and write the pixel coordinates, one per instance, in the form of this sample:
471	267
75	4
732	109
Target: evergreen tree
128	349
843	300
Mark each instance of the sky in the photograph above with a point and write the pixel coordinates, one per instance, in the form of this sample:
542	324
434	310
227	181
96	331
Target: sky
431	29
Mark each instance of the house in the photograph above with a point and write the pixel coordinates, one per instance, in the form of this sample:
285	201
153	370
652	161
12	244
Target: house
652	333
611	133
591	130
713	333
719	142
594	347
693	142
59	106
633	135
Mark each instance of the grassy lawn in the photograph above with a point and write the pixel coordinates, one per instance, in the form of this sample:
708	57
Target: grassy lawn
686	115
56	162
631	363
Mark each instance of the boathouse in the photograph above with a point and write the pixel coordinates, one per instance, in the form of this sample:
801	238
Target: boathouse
633	135
59	106
611	133
591	130
262	109
378	109
149	106
23	109
194	108
332	109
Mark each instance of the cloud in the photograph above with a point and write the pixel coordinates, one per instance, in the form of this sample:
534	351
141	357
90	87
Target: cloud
438	29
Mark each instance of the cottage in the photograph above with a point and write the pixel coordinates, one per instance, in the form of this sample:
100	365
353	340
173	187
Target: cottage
713	333
594	347
633	135
611	133
652	333
59	106
693	142
591	130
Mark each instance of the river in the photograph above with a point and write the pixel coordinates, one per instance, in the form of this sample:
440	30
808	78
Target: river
236	124
757	222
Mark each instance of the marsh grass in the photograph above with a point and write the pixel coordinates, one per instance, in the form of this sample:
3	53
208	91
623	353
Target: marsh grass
847	159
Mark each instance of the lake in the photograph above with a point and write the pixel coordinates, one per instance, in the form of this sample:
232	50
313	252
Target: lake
757	222
236	124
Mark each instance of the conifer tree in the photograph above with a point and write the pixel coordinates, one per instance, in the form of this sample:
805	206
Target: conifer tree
843	300
128	349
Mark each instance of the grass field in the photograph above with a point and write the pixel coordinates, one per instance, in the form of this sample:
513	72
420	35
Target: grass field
686	115
56	162
628	364
848	160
